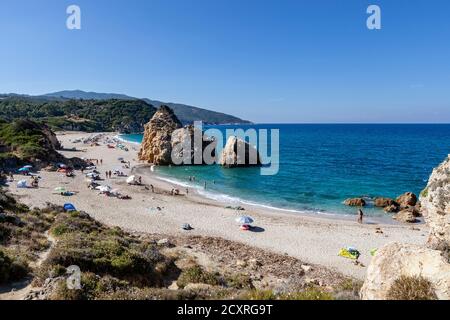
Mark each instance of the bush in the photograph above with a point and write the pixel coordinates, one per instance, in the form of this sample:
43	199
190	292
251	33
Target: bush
11	269
196	274
411	288
94	248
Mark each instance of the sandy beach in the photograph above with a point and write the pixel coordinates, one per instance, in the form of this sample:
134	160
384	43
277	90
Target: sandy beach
312	239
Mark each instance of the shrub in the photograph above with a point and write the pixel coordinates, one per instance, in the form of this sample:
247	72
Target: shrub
11	269
94	248
411	288
196	274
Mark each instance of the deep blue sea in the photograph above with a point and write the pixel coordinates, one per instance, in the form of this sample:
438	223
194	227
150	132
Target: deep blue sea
321	165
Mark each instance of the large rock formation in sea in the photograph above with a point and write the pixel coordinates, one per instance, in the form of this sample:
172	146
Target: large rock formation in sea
156	145
239	153
435	202
430	263
166	142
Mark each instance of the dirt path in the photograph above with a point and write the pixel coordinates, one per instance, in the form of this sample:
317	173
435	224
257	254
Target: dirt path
19	290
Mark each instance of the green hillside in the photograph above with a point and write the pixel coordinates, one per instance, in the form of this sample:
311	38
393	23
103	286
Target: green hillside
126	116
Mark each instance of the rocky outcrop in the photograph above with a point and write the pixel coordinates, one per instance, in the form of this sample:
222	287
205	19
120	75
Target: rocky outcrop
392	208
396	260
239	153
407	199
156	145
384	202
355	202
431	263
407	216
189	144
435	202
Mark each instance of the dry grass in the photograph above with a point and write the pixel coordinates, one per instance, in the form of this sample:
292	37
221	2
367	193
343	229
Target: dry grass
411	288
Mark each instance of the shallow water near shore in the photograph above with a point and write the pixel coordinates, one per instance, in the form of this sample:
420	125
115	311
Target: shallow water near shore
322	165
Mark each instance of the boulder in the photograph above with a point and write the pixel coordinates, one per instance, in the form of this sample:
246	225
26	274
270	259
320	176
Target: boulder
406	216
239	153
396	260
435	206
384	202
392	208
355	202
156	145
407	199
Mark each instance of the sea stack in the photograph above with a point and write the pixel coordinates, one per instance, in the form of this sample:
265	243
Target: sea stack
156	145
239	153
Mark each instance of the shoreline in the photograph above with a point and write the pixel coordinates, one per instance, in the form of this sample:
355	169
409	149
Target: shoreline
216	195
314	239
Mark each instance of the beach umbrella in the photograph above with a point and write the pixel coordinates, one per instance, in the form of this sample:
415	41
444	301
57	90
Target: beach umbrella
68	207
62	165
28	166
120	159
244	220
60	189
91	174
24	169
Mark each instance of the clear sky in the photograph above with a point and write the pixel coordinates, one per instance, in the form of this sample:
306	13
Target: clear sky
262	60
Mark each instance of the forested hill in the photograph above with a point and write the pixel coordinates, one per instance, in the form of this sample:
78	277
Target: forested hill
126	116
187	114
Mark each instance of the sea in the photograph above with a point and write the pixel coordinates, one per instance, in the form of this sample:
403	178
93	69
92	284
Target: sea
321	165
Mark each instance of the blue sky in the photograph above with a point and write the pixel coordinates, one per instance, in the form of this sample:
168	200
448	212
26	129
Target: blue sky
267	61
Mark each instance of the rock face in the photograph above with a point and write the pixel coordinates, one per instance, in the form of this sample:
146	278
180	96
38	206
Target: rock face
435	202
355	202
232	157
157	142
407	199
395	260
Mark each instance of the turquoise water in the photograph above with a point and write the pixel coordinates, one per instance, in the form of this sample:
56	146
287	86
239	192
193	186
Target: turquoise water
322	165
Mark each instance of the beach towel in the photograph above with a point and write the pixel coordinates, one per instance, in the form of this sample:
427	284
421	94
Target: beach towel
349	253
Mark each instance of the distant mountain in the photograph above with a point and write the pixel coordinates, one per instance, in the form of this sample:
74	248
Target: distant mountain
78	94
187	114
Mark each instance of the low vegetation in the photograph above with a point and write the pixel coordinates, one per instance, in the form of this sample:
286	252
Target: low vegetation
411	288
115	264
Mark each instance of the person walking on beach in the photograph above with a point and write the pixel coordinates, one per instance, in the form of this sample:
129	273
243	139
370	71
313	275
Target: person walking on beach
153	188
360	216
205	185
110	174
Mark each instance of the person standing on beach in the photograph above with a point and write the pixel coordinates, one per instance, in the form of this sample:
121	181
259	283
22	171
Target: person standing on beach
205	185
360	216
